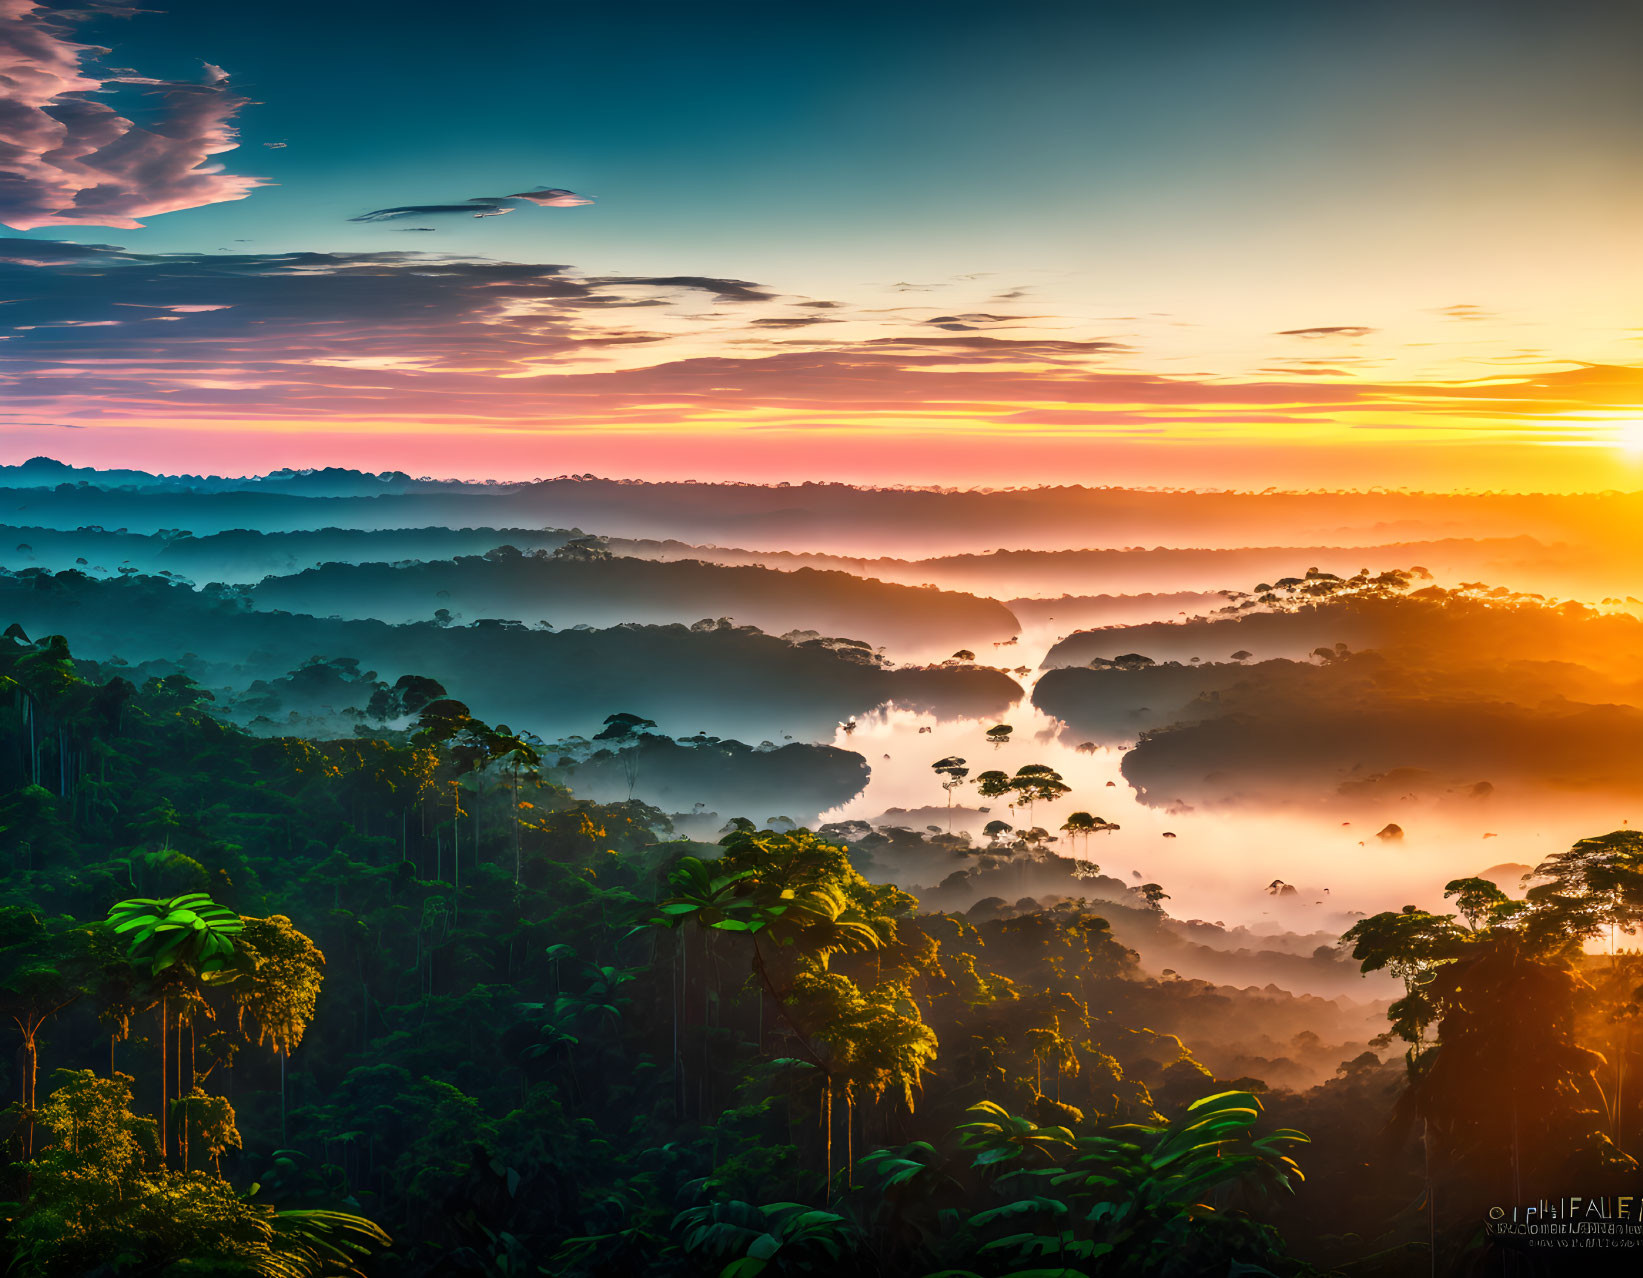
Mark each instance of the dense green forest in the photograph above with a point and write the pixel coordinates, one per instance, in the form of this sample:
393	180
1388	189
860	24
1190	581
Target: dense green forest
402	1003
714	674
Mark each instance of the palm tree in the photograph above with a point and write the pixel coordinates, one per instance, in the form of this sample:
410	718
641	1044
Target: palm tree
315	1243
188	942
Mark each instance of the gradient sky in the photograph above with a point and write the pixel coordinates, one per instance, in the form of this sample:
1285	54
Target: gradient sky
1166	243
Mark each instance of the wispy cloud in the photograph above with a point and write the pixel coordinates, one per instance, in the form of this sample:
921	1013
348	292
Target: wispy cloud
67	159
792	321
724	290
366	341
552	197
1328	330
970	321
479	206
1466	311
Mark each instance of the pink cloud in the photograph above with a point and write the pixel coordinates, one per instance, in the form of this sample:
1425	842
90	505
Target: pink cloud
69	160
552	198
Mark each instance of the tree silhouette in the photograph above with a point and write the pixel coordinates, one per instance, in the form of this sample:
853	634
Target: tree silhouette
626	733
955	770
1036	783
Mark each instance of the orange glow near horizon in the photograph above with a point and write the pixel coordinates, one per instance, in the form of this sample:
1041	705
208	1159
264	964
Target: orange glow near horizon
935	451
515	370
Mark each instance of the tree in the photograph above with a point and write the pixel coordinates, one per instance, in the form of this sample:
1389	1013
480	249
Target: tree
708	900
1411	944
995	830
282	988
184	944
1079	824
1084	824
99	1199
599	1003
80	1184
1478	900
999	734
191	933
465	746
1576	894
408	695
206	1123
1036	783
42	971
994	785
1154	894
583	550
699	894
627	733
891	1045
955	770
1596	884
1504	1087
517	751
805	904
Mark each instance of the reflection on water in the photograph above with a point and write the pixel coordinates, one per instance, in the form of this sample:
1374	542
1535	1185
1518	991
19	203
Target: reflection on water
1221	862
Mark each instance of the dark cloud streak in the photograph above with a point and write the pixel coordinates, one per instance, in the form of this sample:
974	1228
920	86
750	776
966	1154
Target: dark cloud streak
1328	330
479	206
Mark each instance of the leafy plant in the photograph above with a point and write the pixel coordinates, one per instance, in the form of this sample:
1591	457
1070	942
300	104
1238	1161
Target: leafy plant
787	1238
1141	1203
191	930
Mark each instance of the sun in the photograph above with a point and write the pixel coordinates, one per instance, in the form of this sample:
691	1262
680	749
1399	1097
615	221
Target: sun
1628	437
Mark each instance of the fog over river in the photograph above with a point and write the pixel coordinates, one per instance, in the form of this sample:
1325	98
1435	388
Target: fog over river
1221	862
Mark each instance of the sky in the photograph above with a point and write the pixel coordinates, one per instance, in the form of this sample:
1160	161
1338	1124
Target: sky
1174	244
